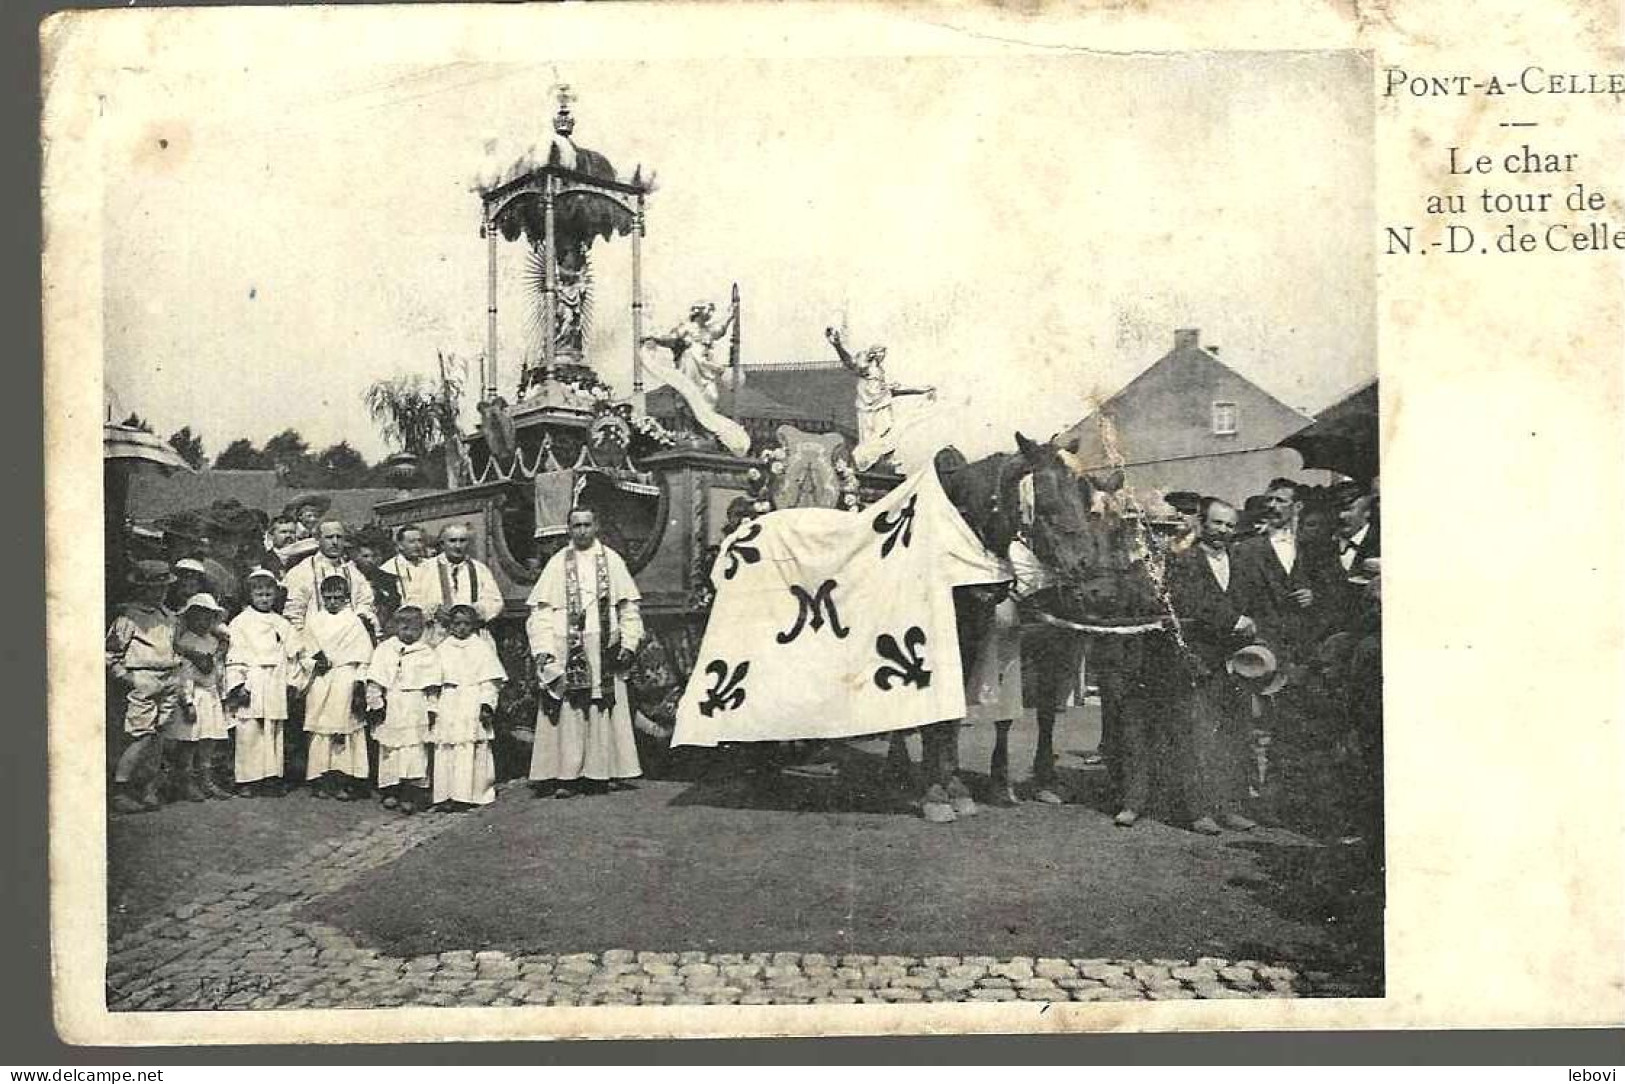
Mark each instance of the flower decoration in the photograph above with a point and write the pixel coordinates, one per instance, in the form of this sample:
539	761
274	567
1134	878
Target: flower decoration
650	430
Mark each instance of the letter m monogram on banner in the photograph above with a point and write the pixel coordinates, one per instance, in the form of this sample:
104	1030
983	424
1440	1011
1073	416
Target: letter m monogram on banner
811	610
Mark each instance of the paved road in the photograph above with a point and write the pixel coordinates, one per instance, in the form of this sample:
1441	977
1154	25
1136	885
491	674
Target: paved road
244	944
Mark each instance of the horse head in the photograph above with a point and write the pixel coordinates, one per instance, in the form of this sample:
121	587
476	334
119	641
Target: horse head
1078	530
1057	519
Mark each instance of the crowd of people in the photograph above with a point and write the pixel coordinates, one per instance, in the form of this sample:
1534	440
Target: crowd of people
369	661
361	663
1273	668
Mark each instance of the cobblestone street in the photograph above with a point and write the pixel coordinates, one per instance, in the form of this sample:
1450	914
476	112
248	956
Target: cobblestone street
243	944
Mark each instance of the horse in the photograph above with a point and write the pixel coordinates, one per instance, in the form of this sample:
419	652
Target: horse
1064	514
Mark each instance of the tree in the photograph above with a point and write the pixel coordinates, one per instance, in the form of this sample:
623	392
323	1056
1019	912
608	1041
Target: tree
241	454
419	416
287	449
136	421
342	467
189	446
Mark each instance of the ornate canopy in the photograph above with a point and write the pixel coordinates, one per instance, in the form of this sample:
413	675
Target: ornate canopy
561	203
589	200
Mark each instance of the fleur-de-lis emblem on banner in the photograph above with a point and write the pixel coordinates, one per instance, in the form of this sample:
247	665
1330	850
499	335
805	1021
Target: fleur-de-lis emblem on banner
727	691
896	528
906	663
740	553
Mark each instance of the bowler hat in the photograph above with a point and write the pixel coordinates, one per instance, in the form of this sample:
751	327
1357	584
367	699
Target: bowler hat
150	574
1184	502
1256	666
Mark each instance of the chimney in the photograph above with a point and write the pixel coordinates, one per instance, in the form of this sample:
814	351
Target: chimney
1187	337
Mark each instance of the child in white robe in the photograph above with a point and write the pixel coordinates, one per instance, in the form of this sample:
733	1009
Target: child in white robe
199	728
262	662
340	648
403	687
471	677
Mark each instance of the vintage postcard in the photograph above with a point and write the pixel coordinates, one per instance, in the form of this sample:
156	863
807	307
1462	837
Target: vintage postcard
763	520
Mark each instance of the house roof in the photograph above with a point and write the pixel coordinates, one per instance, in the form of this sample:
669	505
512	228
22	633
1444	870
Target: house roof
1178	353
1147	408
154	497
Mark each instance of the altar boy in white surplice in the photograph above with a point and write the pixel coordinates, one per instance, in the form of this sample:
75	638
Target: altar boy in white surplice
340	648
584	627
263	661
403	693
471	677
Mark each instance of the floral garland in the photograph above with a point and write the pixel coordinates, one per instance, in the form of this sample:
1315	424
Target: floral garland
760	483
647	434
848	476
648	428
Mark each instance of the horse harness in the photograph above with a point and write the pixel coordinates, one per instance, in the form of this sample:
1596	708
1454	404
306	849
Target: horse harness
1023	509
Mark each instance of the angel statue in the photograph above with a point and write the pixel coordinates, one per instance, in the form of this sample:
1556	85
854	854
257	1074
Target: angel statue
877	432
696	369
693	347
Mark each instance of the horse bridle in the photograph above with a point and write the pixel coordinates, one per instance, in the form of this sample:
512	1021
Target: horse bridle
998	511
1018	532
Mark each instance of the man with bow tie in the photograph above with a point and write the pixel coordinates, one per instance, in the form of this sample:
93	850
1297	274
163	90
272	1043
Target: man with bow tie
454	578
1358	533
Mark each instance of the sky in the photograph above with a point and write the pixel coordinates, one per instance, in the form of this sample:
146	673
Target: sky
1025	233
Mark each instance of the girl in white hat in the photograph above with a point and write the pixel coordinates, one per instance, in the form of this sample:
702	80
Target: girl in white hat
262	662
200	729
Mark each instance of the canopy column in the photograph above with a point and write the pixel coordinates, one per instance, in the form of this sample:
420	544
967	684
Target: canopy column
550	278
637	309
488	364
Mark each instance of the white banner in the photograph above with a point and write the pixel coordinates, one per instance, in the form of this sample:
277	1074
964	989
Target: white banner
831	624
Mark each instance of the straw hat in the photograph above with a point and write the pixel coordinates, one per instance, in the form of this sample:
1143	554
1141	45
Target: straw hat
1257	668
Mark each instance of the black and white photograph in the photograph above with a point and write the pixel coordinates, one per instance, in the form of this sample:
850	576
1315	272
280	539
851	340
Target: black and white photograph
842	530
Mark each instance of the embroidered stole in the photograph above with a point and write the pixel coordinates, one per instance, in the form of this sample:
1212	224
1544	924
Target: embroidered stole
577	671
445	583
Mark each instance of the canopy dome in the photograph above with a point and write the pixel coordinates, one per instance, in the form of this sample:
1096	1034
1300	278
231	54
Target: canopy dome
580	216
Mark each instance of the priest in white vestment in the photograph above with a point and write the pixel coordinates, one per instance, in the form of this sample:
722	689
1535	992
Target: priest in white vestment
584	627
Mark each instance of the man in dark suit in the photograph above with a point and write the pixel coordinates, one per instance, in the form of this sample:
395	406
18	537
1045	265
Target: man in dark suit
1211	594
1358	532
1300	589
1300	597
